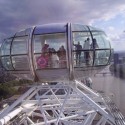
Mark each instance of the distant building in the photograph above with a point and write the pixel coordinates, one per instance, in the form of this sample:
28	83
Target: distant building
112	55
119	57
116	58
123	59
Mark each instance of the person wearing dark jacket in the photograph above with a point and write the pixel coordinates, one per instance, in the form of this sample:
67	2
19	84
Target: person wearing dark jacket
78	52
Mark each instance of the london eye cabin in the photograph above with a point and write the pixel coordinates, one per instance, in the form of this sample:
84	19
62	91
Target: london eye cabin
56	52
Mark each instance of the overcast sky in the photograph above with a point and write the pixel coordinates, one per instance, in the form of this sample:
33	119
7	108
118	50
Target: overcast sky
108	15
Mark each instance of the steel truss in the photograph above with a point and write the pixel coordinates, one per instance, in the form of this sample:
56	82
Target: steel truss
61	104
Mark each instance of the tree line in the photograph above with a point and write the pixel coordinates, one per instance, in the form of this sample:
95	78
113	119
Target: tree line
10	85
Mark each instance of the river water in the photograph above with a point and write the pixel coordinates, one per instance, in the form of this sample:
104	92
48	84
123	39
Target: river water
114	87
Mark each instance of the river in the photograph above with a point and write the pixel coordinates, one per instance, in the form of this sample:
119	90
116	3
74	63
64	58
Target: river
114	87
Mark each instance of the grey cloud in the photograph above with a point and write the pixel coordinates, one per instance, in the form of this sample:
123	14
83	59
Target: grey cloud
19	14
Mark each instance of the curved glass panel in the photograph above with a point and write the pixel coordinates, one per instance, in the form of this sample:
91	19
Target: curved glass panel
101	57
78	27
20	62
50	51
21	33
37	43
82	53
94	28
101	39
19	45
5	48
6	62
27	31
50	28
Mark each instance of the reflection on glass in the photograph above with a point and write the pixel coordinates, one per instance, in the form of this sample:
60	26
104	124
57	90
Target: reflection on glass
93	28
5	49
53	40
62	57
49	60
37	44
81	47
41	61
23	32
101	57
50	50
20	62
6	63
81	37
19	45
86	59
102	40
78	27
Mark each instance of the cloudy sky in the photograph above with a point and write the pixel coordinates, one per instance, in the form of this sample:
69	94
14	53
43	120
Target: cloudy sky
108	15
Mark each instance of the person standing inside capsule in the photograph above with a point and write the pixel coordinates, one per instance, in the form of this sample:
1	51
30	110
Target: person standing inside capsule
86	47
62	56
78	52
96	46
54	59
42	61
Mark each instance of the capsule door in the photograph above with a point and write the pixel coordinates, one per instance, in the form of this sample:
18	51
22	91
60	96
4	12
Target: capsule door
50	56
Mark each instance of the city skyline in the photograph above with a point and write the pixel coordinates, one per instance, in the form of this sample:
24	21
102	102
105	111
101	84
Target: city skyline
108	15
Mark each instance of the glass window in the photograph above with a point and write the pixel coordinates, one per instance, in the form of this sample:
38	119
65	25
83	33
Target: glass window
20	62
101	57
53	40
37	44
50	50
81	37
28	31
21	33
101	39
79	27
5	48
6	63
83	55
19	45
93	28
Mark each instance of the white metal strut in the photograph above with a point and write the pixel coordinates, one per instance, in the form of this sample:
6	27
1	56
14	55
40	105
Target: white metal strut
60	104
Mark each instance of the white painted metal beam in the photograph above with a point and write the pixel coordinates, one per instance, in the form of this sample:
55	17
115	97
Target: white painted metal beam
62	103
